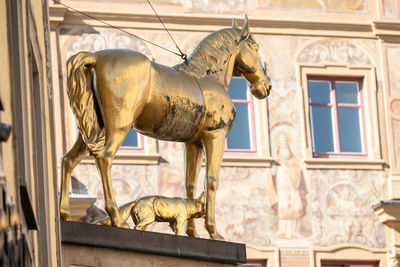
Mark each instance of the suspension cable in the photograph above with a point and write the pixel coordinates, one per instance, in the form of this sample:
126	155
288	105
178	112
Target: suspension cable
182	55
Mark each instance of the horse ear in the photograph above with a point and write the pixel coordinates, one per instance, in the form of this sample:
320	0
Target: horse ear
245	28
235	24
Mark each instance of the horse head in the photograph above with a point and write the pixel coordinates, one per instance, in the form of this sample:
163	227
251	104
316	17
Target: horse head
248	64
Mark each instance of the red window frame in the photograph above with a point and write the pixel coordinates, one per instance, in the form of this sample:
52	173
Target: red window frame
334	109
263	263
348	263
250	104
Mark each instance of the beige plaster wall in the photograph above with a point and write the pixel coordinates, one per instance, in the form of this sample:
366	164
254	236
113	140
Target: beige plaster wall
336	198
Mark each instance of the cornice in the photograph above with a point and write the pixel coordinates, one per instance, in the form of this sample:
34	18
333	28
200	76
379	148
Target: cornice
205	22
388	31
57	13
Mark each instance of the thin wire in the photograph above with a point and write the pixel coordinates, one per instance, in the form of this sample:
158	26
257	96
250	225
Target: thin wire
117	28
183	55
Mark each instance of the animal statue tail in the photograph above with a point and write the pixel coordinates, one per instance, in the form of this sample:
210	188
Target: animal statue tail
84	103
125	211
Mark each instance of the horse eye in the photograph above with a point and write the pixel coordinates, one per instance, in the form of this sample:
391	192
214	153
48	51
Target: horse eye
256	46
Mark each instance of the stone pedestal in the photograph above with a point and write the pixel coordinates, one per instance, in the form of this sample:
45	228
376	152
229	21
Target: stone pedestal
94	245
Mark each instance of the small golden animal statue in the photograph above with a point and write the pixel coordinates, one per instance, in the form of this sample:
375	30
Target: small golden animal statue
146	210
111	91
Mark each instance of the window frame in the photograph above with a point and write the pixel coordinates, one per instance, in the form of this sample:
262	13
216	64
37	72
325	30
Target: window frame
334	105
345	253
252	134
367	73
348	263
251	262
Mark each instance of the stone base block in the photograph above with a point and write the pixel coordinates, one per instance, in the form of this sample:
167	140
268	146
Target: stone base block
94	246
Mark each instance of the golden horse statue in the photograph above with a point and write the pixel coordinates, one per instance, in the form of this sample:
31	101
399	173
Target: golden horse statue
112	91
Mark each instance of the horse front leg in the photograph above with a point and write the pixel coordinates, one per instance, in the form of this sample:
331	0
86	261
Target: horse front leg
68	163
193	158
214	147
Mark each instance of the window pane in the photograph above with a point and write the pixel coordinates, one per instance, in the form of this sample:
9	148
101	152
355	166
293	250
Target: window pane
319	92
321	127
349	127
347	92
131	139
238	89
239	135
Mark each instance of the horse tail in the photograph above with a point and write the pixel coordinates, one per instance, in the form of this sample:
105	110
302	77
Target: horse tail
125	211
83	103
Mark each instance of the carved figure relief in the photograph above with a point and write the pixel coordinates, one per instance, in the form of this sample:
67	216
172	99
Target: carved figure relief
341	211
287	190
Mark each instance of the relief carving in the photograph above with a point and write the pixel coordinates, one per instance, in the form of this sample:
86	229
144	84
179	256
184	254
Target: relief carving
333	51
341	211
287	190
107	39
216	6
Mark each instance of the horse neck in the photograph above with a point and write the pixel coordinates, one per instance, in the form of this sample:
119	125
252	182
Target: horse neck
225	75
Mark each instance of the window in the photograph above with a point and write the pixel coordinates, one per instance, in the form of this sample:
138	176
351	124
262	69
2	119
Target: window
241	136
254	263
135	149
340	116
132	141
336	117
349	264
247	143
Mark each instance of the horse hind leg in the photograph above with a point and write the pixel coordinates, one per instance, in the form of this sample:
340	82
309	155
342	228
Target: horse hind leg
193	158
69	161
104	165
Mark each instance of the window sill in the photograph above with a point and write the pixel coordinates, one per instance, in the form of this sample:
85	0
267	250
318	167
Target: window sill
246	161
359	164
130	158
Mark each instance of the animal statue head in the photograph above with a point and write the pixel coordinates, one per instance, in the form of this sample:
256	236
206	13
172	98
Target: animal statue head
199	206
247	62
236	48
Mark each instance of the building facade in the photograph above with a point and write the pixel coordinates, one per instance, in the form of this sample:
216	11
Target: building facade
28	201
303	168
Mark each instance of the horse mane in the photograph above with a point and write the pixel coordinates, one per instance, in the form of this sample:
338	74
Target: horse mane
212	53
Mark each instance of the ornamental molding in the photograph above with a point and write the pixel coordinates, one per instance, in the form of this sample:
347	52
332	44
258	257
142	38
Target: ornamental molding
212	22
333	51
107	39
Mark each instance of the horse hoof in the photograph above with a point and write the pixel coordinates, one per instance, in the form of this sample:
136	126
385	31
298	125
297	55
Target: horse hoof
65	215
217	236
123	225
192	232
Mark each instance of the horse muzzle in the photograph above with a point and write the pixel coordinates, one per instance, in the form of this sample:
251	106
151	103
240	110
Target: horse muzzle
261	89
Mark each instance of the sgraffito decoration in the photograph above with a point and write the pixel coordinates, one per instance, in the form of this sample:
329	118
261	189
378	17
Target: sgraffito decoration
107	39
333	51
